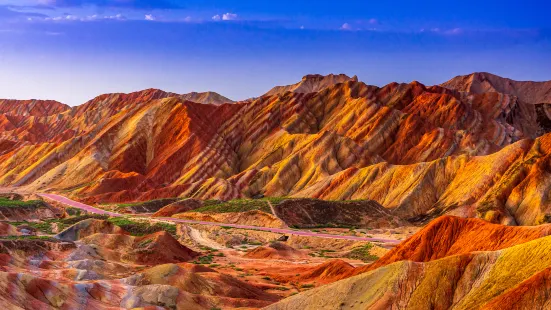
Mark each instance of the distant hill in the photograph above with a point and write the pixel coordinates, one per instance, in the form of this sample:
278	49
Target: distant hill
483	82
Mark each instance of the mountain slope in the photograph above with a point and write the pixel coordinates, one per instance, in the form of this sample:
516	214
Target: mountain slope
312	83
471	279
483	82
32	107
418	151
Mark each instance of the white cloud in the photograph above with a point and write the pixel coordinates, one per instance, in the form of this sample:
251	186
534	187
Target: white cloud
150	17
227	16
374	21
454	31
346	26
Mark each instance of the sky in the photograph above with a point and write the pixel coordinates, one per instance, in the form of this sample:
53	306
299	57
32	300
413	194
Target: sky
74	50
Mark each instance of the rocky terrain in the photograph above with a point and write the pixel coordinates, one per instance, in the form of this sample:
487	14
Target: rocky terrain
472	147
453	263
77	260
324	194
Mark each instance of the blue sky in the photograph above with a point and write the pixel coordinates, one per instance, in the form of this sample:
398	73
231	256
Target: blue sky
73	50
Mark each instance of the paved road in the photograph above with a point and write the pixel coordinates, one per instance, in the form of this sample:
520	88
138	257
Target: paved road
76	204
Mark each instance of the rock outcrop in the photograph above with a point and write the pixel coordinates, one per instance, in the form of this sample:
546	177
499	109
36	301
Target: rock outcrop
180	206
451	264
306	213
312	83
87	228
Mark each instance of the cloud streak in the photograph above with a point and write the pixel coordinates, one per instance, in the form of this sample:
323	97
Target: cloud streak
75	18
133	4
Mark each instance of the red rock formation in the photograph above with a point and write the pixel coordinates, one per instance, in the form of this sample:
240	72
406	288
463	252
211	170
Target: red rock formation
483	82
154	249
409	147
38	108
312	83
449	235
178	207
276	250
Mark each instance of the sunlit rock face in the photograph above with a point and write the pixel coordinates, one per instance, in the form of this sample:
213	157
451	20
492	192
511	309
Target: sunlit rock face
473	147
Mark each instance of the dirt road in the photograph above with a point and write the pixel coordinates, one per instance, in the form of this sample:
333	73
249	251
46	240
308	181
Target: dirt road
76	204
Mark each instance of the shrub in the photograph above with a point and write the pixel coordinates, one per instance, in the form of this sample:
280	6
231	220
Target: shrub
363	253
136	228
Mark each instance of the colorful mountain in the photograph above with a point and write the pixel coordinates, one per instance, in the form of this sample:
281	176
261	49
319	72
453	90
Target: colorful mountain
418	151
453	263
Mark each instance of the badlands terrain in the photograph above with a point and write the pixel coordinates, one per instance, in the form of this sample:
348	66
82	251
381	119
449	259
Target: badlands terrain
325	194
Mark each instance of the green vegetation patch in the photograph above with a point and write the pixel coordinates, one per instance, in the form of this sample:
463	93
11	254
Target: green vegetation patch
74	211
45	226
204	260
140	228
166	201
35	204
43	238
363	253
239	205
145	206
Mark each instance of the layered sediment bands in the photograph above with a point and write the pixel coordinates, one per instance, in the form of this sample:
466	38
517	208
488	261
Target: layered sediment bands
483	82
478	280
526	94
418	151
102	267
449	235
31	107
312	83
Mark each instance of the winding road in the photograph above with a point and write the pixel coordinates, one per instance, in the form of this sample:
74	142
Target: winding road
75	204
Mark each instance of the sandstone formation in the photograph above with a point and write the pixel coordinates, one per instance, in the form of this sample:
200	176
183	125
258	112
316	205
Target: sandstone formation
252	218
276	250
108	269
87	228
312	83
36	108
180	206
418	151
154	249
483	82
451	264
305	213
8	230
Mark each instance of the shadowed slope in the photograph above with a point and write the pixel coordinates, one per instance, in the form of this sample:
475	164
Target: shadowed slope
157	248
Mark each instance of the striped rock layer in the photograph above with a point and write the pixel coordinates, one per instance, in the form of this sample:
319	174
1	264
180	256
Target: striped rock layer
453	263
419	151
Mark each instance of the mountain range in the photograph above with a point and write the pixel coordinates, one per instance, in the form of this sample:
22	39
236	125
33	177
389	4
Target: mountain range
475	146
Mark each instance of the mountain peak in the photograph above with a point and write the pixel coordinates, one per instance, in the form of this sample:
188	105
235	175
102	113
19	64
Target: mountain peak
483	82
32	107
313	83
